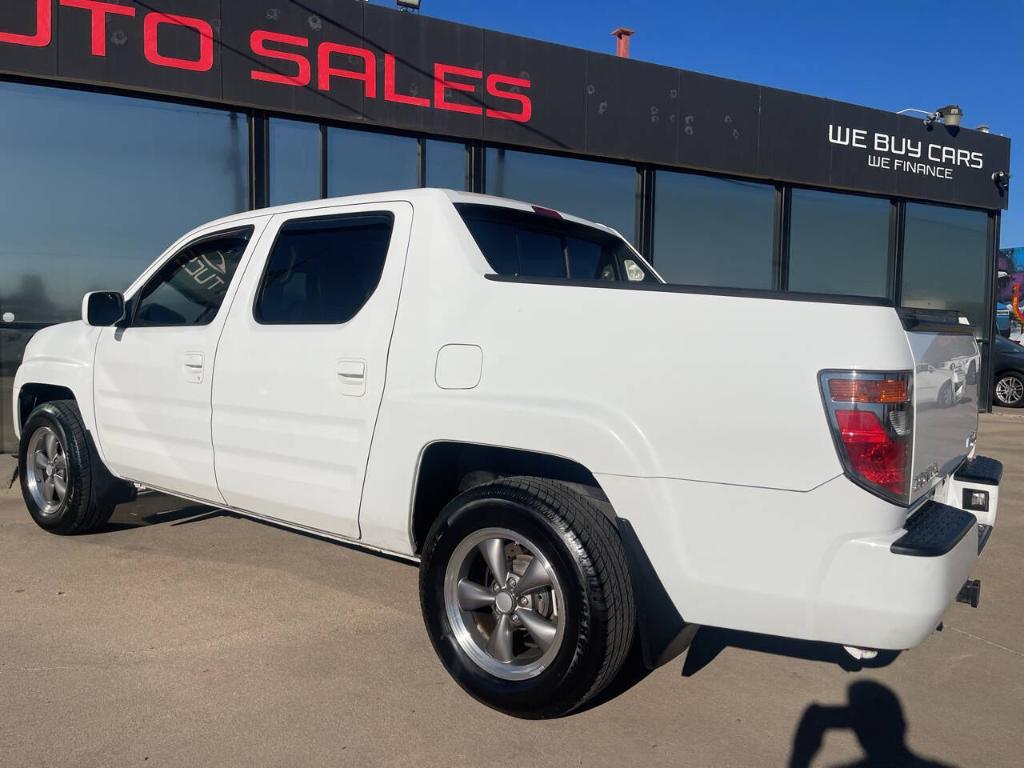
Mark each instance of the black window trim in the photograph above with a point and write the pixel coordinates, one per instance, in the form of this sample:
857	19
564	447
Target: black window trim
261	286
133	302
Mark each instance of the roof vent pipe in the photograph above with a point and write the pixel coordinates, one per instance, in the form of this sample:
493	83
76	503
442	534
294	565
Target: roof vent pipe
622	35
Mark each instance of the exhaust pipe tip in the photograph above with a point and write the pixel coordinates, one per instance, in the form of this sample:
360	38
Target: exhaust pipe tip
861	654
970	593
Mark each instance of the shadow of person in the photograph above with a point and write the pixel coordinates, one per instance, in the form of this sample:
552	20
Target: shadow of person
875	716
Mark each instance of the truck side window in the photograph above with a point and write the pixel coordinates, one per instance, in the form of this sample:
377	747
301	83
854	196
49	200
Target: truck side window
323	270
189	288
589	261
524	244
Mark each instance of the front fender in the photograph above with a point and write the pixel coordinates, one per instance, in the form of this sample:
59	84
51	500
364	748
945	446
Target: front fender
61	355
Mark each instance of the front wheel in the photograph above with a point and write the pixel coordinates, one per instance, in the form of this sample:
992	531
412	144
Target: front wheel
58	481
1009	390
526	596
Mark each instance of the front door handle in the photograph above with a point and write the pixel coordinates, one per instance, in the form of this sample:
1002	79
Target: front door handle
193	367
352	377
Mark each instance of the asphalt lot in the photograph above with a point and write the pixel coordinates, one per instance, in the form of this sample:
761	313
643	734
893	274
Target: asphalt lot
183	636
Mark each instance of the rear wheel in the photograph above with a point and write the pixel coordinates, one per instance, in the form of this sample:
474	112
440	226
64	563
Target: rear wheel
57	471
1009	390
526	596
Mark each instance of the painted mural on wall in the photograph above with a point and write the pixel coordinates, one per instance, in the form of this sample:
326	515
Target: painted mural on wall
1010	293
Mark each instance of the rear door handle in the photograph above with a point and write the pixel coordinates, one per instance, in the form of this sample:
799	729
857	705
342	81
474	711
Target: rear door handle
193	367
352	377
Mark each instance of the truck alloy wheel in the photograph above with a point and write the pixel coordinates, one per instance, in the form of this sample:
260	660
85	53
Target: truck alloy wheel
526	596
504	603
46	470
57	480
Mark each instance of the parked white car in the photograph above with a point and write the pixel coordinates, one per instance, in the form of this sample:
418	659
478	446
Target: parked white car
512	396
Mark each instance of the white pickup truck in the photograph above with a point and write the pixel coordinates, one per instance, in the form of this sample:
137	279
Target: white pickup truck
513	396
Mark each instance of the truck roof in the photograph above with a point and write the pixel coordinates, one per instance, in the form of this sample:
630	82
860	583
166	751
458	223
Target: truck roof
411	195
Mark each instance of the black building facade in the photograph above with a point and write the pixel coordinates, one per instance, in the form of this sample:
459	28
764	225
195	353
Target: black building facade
124	123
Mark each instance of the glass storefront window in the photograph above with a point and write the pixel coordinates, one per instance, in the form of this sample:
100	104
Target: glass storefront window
360	162
713	231
601	192
445	164
839	243
945	261
294	161
95	186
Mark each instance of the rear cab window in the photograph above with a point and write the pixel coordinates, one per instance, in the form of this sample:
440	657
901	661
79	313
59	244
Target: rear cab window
519	243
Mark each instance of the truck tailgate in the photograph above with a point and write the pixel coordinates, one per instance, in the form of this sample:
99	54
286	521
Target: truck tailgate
946	376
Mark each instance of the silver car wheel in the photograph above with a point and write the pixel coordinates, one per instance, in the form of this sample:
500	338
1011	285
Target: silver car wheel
1009	390
504	603
47	471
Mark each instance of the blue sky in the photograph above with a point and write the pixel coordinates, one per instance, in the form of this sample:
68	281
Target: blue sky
888	55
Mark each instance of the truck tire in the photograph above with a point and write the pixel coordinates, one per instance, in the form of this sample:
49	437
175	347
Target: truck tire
526	596
58	471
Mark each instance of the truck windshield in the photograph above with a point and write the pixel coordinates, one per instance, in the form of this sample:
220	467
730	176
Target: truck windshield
527	244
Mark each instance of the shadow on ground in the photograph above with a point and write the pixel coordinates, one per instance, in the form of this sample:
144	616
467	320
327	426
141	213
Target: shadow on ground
711	641
152	508
875	716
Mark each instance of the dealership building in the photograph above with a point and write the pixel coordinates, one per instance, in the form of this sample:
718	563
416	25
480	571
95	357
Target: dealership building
125	123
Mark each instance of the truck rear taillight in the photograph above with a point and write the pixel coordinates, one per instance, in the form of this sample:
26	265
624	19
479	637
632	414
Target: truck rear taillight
871	416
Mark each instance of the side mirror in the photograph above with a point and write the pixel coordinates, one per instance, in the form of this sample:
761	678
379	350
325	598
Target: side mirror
103	308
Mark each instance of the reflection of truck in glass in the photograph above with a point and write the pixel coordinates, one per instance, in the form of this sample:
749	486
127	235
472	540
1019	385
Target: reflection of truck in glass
936	385
512	397
947	368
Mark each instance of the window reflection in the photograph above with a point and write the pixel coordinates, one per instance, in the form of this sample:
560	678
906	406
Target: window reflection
95	186
945	258
713	231
294	161
190	288
361	162
601	192
839	243
445	164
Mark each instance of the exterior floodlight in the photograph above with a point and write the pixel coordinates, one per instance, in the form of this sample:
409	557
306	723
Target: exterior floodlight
408	5
950	115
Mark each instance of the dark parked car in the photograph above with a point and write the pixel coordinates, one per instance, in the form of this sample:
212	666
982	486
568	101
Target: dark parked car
1008	364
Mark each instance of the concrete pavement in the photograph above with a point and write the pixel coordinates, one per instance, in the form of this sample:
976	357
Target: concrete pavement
182	637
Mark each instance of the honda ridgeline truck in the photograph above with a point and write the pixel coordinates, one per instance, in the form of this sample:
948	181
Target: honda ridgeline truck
513	397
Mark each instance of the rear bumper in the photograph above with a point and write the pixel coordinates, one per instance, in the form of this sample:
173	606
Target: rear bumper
890	591
833	564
